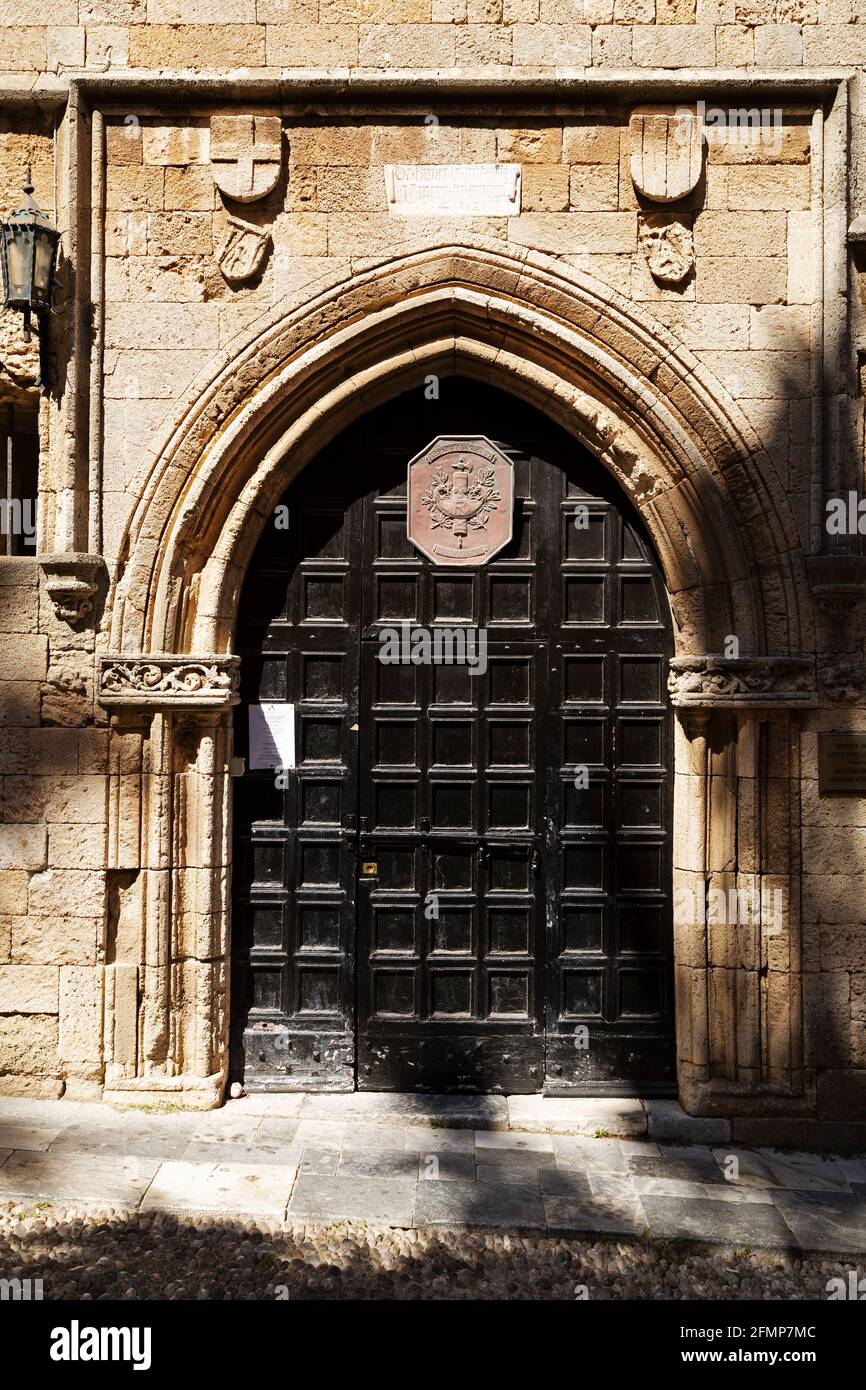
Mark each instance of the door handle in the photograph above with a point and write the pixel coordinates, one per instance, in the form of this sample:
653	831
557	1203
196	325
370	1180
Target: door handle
536	862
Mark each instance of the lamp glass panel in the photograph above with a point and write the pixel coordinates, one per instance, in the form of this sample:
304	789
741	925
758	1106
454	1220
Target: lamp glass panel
43	263
19	248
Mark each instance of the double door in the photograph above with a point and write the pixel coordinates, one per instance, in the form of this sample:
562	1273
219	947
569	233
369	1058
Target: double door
463	883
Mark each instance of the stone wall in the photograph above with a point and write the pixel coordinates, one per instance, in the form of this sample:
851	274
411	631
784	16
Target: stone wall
381	34
114	929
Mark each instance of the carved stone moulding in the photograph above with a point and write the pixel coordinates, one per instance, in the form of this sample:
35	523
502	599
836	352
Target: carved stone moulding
72	582
168	682
720	682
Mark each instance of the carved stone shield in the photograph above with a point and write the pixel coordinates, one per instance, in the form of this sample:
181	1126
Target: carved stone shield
242	250
246	155
460	500
665	151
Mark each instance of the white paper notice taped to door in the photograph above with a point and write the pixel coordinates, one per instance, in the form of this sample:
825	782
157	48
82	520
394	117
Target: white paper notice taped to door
272	735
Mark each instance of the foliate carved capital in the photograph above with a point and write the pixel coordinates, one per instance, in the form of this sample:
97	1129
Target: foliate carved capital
720	682
168	682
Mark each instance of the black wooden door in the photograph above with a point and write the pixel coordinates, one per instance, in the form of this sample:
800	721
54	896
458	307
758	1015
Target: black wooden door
464	883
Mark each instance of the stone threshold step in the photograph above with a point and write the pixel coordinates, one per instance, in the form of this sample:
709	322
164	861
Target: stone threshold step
616	1117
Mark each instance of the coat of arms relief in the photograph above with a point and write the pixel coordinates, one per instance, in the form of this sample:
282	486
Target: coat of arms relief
460	500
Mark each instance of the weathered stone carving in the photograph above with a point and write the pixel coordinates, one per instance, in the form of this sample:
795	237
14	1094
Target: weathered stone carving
665	151
72	582
246	155
242	251
161	681
669	247
841	681
727	682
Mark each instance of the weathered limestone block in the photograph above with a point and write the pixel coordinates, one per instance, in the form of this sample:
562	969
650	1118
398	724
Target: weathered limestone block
552	45
741	279
68	892
833	897
67	693
52	751
74	847
591	143
175	144
197	47
80	1032
735	45
674	46
29	989
826	1020
406	46
37	941
545	188
13	890
28	1045
107	46
23	846
482	45
589	189
19	361
27	656
131	188
720	233
575	231
842	947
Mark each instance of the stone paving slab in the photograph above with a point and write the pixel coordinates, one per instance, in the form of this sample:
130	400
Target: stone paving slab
386	1163
508	1206
718	1222
389	1201
120	1140
577	1215
35	1138
236	1189
70	1177
822	1220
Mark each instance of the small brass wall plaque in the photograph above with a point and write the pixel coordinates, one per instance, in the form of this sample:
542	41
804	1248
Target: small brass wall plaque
842	764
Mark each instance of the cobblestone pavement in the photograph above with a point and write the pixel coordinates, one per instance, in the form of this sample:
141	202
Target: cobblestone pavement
135	1255
418	1164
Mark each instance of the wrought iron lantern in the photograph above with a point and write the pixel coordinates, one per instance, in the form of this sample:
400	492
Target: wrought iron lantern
28	246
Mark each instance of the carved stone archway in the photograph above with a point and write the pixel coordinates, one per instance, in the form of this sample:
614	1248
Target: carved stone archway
717	512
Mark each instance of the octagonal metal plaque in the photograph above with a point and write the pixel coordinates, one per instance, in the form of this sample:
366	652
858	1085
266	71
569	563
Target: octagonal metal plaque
460	500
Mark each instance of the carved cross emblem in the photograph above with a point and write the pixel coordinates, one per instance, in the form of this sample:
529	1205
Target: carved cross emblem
461	493
246	155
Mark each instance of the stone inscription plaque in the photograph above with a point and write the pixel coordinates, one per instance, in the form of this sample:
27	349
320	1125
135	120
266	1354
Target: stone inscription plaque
842	764
460	500
453	190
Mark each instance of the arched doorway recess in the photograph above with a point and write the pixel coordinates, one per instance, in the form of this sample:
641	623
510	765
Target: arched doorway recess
694	470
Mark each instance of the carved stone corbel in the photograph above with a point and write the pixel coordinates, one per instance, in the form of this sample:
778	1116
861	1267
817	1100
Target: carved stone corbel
72	582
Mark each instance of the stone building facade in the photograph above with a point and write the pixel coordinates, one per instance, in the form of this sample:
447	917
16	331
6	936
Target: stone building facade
239	283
